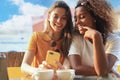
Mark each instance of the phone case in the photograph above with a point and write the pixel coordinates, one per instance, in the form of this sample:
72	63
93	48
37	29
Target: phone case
51	57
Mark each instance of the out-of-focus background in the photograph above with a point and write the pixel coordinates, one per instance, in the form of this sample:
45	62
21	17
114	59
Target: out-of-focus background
19	18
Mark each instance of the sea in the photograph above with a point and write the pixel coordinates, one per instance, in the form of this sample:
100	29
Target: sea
14	43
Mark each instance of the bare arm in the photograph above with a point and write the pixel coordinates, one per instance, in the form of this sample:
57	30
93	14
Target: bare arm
85	70
26	63
103	62
75	62
100	61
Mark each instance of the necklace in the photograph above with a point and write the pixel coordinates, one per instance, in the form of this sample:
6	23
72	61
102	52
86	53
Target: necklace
52	41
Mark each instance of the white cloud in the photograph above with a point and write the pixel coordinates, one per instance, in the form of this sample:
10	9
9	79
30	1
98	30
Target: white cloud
22	23
32	10
17	24
27	8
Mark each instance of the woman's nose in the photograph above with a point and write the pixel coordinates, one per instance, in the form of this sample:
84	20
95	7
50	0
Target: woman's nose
59	20
77	22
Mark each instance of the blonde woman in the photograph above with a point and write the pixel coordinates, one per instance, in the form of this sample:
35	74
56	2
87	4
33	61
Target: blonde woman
57	37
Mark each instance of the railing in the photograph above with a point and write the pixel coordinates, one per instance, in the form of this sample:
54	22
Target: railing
14	59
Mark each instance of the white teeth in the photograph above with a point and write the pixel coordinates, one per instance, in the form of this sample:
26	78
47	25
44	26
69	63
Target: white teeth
58	24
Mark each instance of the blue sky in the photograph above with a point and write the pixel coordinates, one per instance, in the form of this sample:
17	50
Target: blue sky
8	8
18	13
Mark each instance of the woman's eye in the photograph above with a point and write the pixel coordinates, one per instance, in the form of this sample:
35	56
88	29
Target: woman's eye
56	17
82	16
79	17
64	18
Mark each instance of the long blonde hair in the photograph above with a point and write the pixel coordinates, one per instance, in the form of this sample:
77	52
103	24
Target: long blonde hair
67	31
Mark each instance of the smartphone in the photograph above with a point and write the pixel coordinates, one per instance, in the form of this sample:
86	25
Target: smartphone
51	57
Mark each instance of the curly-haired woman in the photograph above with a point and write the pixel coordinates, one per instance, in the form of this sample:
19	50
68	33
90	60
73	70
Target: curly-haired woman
95	48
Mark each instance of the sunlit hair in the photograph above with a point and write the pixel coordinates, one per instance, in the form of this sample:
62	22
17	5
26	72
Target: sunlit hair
67	31
102	12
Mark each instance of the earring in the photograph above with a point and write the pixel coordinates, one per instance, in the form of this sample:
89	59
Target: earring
95	21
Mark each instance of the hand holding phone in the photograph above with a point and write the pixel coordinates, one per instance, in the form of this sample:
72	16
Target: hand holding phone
52	57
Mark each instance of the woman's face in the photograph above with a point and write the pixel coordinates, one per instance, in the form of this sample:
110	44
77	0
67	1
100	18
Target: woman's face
58	19
83	18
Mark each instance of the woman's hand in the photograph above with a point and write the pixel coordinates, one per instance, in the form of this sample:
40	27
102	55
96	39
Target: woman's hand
60	66
44	65
88	32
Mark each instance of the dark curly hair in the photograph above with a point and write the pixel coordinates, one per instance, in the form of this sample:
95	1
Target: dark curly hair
101	10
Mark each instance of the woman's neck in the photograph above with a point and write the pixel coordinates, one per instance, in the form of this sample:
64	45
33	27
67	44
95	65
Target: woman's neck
54	35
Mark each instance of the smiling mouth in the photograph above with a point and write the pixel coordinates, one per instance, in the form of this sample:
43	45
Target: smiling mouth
58	25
